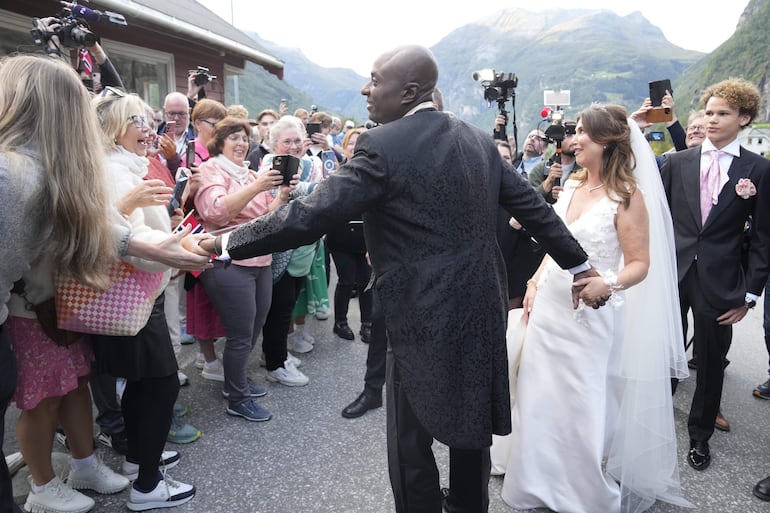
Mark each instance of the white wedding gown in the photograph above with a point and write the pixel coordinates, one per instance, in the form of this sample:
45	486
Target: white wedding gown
566	391
593	417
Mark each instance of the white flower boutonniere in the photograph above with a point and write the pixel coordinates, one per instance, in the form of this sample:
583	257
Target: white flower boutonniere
745	188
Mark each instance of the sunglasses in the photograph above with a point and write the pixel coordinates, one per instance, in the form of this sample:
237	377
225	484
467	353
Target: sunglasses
112	91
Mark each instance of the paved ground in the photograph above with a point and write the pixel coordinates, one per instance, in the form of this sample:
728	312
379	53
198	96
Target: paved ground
310	459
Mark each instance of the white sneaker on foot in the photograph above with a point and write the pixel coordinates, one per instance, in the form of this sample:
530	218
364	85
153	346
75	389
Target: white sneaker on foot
57	497
288	375
214	371
296	343
97	477
296	361
322	313
302	331
168	459
200	361
182	377
167	494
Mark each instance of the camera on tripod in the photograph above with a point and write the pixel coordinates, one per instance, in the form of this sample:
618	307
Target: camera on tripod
498	86
202	75
73	30
558	129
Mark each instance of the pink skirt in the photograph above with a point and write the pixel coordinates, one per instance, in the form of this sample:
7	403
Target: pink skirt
45	369
203	321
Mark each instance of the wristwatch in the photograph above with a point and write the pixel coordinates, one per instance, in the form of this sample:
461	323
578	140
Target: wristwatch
750	304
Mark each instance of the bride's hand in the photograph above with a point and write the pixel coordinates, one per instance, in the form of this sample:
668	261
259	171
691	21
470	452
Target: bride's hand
595	291
529	299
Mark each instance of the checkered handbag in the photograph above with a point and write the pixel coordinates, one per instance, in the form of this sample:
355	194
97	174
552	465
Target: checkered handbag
123	309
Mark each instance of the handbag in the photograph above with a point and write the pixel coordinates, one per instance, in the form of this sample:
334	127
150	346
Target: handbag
122	310
46	316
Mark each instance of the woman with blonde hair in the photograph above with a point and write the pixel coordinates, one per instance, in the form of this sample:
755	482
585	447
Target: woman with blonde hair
146	360
56	217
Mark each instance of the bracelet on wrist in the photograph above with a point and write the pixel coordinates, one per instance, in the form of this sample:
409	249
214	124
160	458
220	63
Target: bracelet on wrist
218	246
612	283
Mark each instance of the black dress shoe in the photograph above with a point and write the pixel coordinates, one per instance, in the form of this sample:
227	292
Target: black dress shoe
699	456
342	330
363	403
366	332
762	489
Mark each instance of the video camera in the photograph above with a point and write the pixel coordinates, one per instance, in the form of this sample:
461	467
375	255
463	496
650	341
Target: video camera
498	86
202	75
74	30
558	129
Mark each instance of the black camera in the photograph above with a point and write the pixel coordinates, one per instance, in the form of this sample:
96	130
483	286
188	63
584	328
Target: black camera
72	32
202	76
498	86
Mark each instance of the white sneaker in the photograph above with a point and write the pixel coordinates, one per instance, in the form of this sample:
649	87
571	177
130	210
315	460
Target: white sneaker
14	461
322	313
167	494
298	344
168	459
97	477
183	381
305	334
288	375
296	361
200	361
214	371
57	497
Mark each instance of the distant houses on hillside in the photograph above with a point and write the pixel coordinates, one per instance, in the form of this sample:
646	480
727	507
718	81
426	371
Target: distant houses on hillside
756	140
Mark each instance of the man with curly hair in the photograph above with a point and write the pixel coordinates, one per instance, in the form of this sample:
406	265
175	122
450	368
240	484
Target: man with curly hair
713	189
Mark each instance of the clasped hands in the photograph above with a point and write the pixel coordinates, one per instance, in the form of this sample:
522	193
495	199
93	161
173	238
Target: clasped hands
594	293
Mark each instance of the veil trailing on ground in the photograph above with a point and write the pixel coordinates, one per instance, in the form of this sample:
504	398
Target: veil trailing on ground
642	453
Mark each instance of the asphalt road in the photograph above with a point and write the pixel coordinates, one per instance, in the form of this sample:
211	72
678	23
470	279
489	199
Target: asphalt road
310	459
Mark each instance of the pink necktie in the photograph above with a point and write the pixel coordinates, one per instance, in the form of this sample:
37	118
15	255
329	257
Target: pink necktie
709	185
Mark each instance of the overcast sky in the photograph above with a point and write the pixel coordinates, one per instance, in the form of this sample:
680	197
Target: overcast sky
352	34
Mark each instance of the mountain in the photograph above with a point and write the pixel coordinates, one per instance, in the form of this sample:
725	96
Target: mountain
596	54
744	55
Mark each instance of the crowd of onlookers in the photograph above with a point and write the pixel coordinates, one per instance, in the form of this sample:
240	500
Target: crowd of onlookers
137	158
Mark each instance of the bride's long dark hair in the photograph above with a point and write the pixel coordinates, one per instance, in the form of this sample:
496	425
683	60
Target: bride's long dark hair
607	125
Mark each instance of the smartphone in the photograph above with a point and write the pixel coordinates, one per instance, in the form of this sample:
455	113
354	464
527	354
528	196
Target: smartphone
655	136
287	165
190	154
659	115
658	90
169	126
313	128
176	197
329	162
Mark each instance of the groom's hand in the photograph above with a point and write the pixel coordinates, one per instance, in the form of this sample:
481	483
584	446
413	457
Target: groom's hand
578	288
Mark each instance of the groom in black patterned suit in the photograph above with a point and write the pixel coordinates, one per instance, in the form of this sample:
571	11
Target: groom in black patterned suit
713	190
429	187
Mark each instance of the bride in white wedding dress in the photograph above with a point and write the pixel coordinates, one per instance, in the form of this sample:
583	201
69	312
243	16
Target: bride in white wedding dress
593	427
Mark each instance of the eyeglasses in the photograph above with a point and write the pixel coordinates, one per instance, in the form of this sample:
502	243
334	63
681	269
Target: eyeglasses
137	120
173	115
112	91
291	142
696	128
210	123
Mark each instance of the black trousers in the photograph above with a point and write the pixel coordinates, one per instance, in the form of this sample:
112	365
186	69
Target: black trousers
8	373
352	269
414	476
712	342
278	321
374	379
147	407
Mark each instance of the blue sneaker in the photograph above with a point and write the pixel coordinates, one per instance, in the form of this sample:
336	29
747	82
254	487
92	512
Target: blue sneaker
763	391
185	338
180	410
254	391
249	410
181	433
